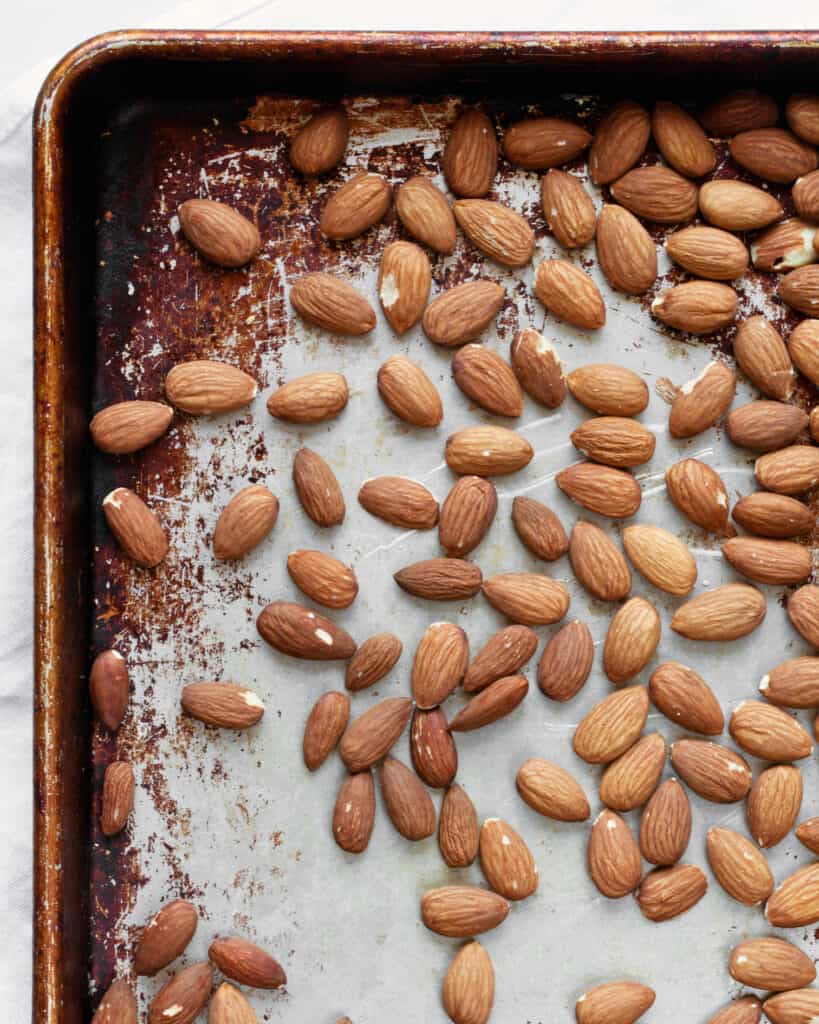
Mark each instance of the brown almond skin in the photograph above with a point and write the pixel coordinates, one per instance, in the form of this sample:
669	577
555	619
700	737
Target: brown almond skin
771	964
629	781
766	731
117	1006
487	451
803	611
440	662
803	346
668	892
136	528
220	233
807	832
409	393
598	563
355	206
611	726
656	194
469	986
616	1002
802	115
613	856
769	561
117	797
681	141
739	866
701	401
458	833
502	655
697	307
189	989
245	521
773	515
125	427
461	911
408	804
333	304
463	312
538	368
608	389
229	1006
566	661
466	515
661	557
354	813
569	294
202	387
323	578
302	633
399	501
470	158
706	616
551	791
773	154
601	489
773	804
488	380
426	214
246	963
539	529
222	705
763	357
312	398
765	426
498	700
433	750
713	771
799	1006
614	441
404	280
699	493
631	640
527	597
739	111
506	860
319	144
800	289
685	699
440	579
795	902
109	688
375	733
708	252
792	470
165	937
665	824
498	231
784	246
737	205
377	656
625	251
619	141
538	143
793	683
325	726
317	488
805	194
568	209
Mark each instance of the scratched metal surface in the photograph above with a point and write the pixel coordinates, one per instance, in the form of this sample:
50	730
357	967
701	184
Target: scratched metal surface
235	822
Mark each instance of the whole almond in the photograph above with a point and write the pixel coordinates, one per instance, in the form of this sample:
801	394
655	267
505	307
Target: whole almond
769	561
769	732
433	750
619	141
569	294
795	903
460	911
319	145
325	726
800	290
799	1006
538	143
725	613
713	771
629	781
601	489
762	356
471	155
440	579
792	470
404	280
527	597
354	812
566	661
245	521
302	633
551	791
773	515
408	804
608	389
665	824
614	441
739	866
323	578
466	515
738	206
681	140
702	400
440	662
803	611
245	962
458	834
463	312
615	1002
773	804
538	368
182	998
739	111
661	557
502	655
598	563
807	832
125	427
488	380
613	856
793	683
612	726
109	688
469	986
656	194
699	493
372	661
785	246
506	860
805	195
708	252
568	209
539	529
774	154
668	892
802	115
313	398
498	700
625	251
685	699
495	229
165	936
698	307
229	1006
426	214
203	386
487	451
222	705
803	346
136	528
375	733
355	206
771	964
333	304
399	501
631	640
317	488
117	1006
220	233
765	426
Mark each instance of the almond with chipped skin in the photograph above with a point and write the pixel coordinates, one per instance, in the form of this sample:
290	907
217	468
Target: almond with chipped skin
137	529
404	280
699	493
785	246
222	705
182	998
714	772
117	1006
793	683
538	368
302	633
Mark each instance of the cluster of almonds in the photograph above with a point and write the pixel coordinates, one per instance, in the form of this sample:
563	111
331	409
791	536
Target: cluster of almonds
613	444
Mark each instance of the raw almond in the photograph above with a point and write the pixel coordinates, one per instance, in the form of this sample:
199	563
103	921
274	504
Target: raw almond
795	903
527	597
629	781
440	662
699	307
805	195
803	611
109	688
631	640
399	501
773	804
220	233
615	1002
375	733
165	937
713	771
774	154
552	791
319	145
681	141
725	613
125	427
569	294
333	304
685	699
601	489
323	578
203	386
568	209
539	529
668	892
137	529
317	488
612	726
799	1006
661	557
354	812
372	661
739	111
471	155
245	521
245	962
762	356
765	426
619	141
800	290
802	115
325	726
355	206
793	683
117	1006
768	561
440	579
625	251
487	451
408	804
488	380
771	964
404	280
538	368
433	750
608	389
466	515
614	441
461	313
222	705
502	655
426	214
229	1006
708	252
302	633
598	563
656	194
803	346
313	398
506	860
739	866
769	732
498	700
773	515
458	834
183	997
566	661
665	825
699	493
738	206
792	470
460	911
542	142
785	246
807	832
469	986
495	229
613	856
702	400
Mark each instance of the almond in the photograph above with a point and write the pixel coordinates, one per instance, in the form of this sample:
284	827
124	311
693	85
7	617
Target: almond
714	772
774	154
460	911
317	488
355	206
699	493
685	699
803	611
795	903
773	515
117	1006
568	209
625	251
372	661
229	1006
601	489
222	705
805	195
458	835
771	964
440	579
506	860
800	290
426	214
125	427
469	986
183	997
502	655
681	141
552	791
399	501
527	597
487	451
109	688
631	640
612	726
785	246
325	726
471	155
668	892
613	855
614	441
220	233
165	937
765	426
598	563
619	141
313	398
408	804
726	613
701	401
538	368
802	115
768	561
302	633
332	304
466	515
665	825
404	280
488	380
566	661
433	750
629	781
807	832
799	1006
319	145
246	963
569	294
245	521
375	733
698	307
135	527
739	111
773	804
616	1002
542	142
661	558
498	700
708	252
323	578
499	232
793	683
739	866
792	470
354	812
769	732
461	313
656	194
203	386
762	356
440	662
738	206
608	389
803	346
539	529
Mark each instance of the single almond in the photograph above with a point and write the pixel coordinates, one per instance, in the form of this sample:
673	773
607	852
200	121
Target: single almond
668	892
713	771
463	312
433	750
355	206
807	832
372	735
495	229
631	640
763	357
665	824
803	346
765	426
323	578
661	557
222	705
245	962
245	521
506	860
629	781
619	141
408	804
469	986
204	386
569	294
793	683
568	209
458	834
739	111
354	812
302	633
805	195
739	866
552	791
771	964
802	115
136	528
399	501
792	470
773	515
183	997
612	726
325	726
440	579
598	563
539	529
608	389
502	655
738	206
319	145
440	662
769	732
313	398
614	441
117	797
109	688
725	613
125	427
538	143
488	380
800	290
769	561
404	280
461	911
625	251
426	214
466	515
333	304
702	400
613	856
615	1002
229	1006
317	488
117	1006
795	903
699	493
785	246
799	1006
527	597
470	158
165	937
566	661
220	233
656	194
773	804
683	696
601	489
803	611
487	451
498	700
698	307
538	368
708	252
681	140
773	154
372	661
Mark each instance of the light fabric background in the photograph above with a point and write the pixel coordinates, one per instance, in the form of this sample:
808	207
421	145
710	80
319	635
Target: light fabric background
36	34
